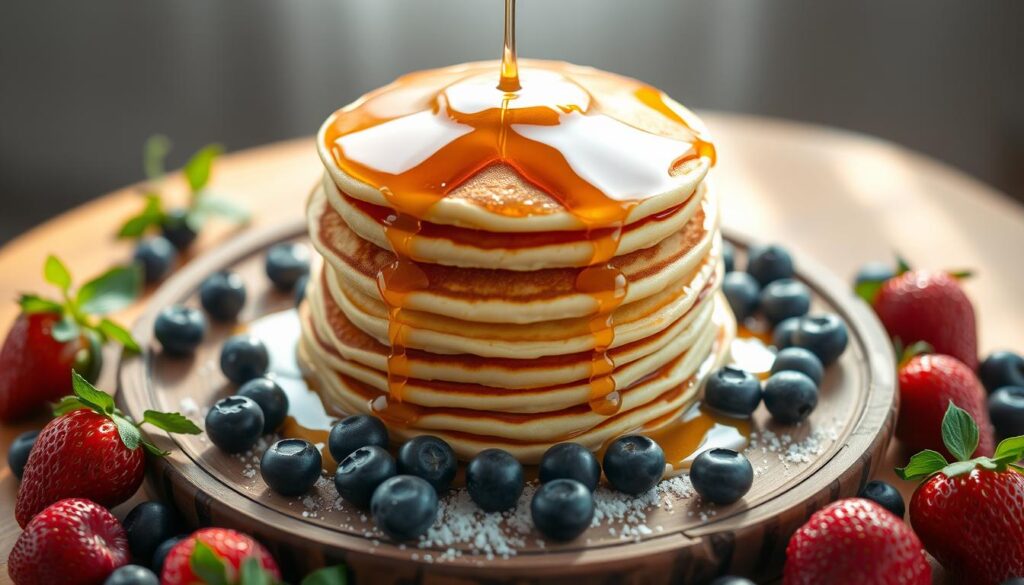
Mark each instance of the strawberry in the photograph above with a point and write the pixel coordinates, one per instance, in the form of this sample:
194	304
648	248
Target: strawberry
51	337
855	541
72	542
928	383
970	513
91	451
218	556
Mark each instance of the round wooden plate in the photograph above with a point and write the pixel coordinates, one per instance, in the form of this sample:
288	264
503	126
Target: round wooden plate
690	542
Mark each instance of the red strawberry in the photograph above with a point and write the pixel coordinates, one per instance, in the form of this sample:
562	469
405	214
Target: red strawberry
50	337
970	513
89	451
72	542
928	383
931	307
855	541
215	555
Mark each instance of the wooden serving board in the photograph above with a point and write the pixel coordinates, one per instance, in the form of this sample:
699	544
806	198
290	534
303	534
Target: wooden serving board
687	541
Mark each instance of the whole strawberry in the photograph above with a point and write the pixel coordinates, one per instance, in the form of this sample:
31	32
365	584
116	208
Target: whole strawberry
970	513
89	451
52	337
217	555
928	383
855	541
72	542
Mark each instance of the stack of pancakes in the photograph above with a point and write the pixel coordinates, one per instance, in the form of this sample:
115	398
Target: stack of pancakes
500	344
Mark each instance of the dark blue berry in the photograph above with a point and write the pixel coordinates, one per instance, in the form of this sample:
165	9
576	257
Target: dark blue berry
176	228
729	256
360	473
825	335
731	580
562	509
404	507
721	476
234	424
799	359
769	263
243	357
782	334
223	295
156	256
741	290
353	432
1006	407
132	575
1002	368
148	525
494	479
634	464
272	400
431	458
790	396
180	329
291	466
286	263
160	555
874	272
17	455
570	461
885	495
785	298
733	391
300	289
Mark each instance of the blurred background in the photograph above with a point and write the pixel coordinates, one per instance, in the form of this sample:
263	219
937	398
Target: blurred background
82	84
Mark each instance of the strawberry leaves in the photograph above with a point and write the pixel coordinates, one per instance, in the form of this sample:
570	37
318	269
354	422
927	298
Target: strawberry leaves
213	569
959	433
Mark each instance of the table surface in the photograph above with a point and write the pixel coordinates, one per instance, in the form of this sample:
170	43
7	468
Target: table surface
838	197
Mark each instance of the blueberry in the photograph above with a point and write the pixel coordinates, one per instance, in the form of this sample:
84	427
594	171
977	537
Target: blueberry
1006	407
156	256
721	476
300	289
790	396
243	357
885	495
782	335
494	479
272	400
769	263
148	525
731	580
180	329
874	272
562	509
570	461
1002	368
733	391
404	507
132	575
356	431
234	423
223	295
430	458
741	290
728	256
785	298
160	555
825	335
799	359
17	455
286	263
291	466
634	464
176	228
360	473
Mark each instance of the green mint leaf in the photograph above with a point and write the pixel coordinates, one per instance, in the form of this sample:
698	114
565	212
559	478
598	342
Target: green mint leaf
56	273
34	304
172	422
253	573
922	465
68	404
336	575
208	205
197	169
66	330
113	331
130	434
153	449
92	395
113	290
154	152
1012	449
151	215
868	290
959	433
208	565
